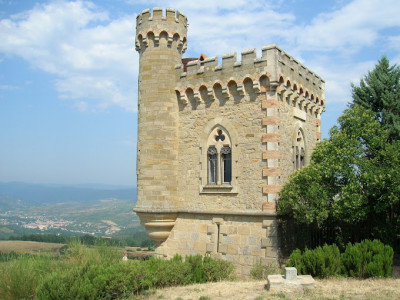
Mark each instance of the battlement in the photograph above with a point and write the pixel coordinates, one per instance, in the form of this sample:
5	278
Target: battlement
157	14
155	25
281	69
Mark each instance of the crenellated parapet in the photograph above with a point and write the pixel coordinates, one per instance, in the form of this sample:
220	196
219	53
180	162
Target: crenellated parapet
275	70
153	26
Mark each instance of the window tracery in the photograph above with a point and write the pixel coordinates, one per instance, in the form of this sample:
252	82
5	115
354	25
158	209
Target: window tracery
299	150
219	158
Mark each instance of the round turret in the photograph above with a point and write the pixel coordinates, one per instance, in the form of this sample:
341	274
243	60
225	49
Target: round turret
160	41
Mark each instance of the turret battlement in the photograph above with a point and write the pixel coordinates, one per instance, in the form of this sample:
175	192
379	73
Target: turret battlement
157	14
155	25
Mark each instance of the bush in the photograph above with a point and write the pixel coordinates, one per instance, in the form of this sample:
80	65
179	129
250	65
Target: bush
261	271
320	262
368	259
363	260
20	275
91	280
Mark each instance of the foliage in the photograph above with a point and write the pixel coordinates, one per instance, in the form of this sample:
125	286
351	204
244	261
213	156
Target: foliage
20	274
353	180
94	278
368	259
137	239
321	262
261	271
363	260
379	91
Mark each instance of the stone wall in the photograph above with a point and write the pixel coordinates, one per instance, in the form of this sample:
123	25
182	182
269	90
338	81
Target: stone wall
241	239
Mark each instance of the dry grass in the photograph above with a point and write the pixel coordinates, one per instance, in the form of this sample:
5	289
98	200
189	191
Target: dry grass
336	288
28	247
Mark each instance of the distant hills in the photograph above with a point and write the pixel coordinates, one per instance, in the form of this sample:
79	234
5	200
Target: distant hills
17	194
97	210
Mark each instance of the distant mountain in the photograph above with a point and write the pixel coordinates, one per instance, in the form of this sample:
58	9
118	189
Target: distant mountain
18	194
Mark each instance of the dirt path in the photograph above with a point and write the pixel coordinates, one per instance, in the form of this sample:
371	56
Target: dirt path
338	288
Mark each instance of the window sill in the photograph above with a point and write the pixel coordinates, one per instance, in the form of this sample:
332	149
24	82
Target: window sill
218	189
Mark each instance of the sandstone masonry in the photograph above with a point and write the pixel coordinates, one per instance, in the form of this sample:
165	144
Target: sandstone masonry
216	142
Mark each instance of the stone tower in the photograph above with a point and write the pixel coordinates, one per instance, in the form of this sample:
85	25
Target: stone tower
217	142
160	41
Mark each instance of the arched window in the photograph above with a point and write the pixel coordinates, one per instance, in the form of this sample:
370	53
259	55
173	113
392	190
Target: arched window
299	150
219	157
212	158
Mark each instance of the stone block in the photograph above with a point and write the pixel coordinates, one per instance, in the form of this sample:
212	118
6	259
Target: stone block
290	273
270	120
269	242
223	229
223	248
211	229
201	228
271	137
269	206
211	247
244	230
271	171
271	231
232	249
217	220
272	189
195	236
271	154
269	222
269	104
253	240
271	252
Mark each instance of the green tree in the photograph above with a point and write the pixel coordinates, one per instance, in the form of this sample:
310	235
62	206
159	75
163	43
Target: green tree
380	92
353	179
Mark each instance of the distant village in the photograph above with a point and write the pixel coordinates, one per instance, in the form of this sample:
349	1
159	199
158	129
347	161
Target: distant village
55	225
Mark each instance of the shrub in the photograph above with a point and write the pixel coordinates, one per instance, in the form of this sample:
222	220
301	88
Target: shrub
261	271
91	280
20	275
320	262
364	260
368	259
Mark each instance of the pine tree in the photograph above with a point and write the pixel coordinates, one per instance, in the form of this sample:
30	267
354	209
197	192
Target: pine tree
380	92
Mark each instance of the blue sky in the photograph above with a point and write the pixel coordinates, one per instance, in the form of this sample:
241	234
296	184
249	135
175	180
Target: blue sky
68	71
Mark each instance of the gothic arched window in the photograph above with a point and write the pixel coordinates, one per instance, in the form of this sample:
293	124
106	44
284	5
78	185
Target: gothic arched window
219	157
299	150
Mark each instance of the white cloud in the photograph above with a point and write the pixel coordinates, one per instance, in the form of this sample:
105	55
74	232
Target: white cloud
351	27
92	57
94	62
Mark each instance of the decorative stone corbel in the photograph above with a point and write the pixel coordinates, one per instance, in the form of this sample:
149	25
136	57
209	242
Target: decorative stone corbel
273	85
256	86
240	89
295	97
169	41
280	90
184	98
145	41
210	93
197	97
225	92
156	40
